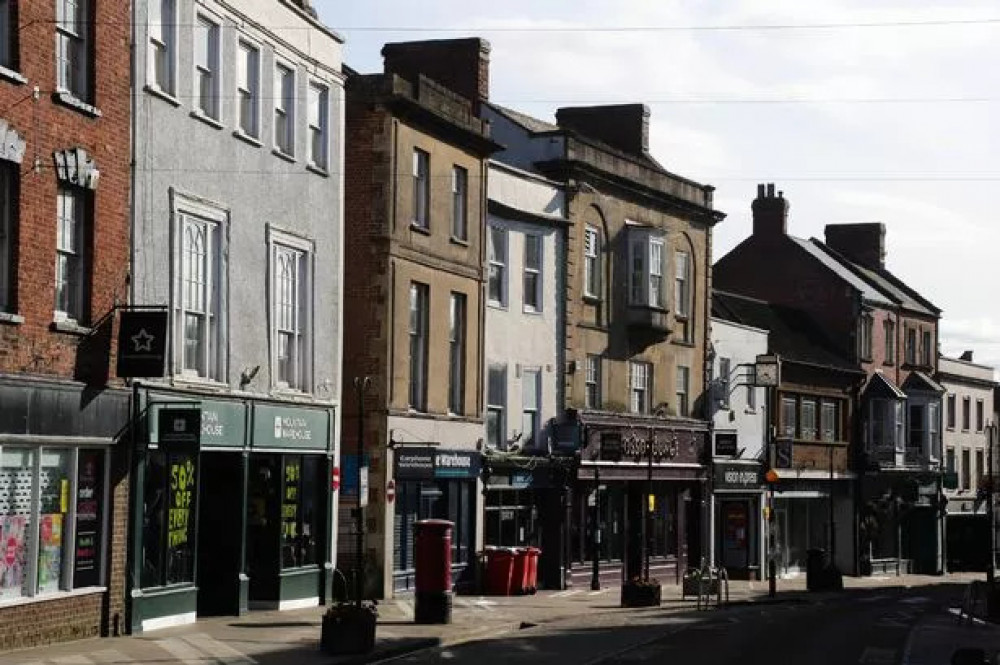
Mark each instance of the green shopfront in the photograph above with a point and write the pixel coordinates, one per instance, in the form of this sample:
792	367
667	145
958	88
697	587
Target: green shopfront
232	507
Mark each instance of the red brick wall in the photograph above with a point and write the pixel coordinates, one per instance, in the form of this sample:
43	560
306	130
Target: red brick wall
46	127
48	621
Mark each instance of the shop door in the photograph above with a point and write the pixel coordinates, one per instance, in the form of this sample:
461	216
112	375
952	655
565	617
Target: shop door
735	535
264	527
780	528
220	536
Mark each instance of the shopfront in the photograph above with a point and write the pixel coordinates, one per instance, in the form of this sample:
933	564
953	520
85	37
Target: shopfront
233	507
440	484
738	521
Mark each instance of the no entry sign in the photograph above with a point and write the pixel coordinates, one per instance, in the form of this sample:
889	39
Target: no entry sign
335	478
390	491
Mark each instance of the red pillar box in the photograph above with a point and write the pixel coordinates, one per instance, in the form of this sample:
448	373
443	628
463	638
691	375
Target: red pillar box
499	569
533	554
433	563
519	578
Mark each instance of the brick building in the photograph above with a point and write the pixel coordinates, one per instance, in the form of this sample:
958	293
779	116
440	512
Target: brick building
64	266
415	203
889	332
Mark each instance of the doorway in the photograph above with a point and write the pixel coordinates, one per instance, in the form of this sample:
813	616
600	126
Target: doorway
264	529
220	537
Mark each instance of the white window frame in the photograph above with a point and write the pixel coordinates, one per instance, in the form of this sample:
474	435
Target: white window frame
640	386
646	246
683	390
284	106
80	251
682	283
530	410
459	203
73	50
162	37
497	404
828	420
280	243
418	334
725	368
457	336
318	117
421	168
592	382
808	419
206	77
789	417
592	262
498	263
248	91
8	213
216	361
535	273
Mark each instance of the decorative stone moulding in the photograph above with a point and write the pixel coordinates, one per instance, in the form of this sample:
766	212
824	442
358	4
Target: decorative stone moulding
11	143
75	167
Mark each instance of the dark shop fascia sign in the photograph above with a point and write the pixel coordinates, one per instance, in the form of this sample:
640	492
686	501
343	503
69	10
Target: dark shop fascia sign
729	476
425	463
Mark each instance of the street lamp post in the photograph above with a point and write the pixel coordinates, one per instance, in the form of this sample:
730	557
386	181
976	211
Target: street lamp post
991	438
360	384
595	573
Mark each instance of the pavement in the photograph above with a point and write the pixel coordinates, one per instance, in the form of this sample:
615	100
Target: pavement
266	638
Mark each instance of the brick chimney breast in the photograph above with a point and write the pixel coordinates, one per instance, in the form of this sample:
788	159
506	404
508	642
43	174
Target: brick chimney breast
621	126
461	65
770	212
863	243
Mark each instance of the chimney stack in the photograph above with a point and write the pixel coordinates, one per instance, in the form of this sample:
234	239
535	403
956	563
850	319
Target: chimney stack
621	126
967	356
770	212
863	243
461	65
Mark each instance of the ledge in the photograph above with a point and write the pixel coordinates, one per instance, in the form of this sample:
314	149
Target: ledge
415	226
243	136
71	328
455	240
591	300
56	595
207	119
11	318
283	155
318	170
156	91
68	99
13	76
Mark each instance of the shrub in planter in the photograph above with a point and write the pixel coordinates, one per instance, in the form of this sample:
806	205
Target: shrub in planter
641	592
348	629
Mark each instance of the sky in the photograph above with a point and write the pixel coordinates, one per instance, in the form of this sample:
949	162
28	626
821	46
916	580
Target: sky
859	110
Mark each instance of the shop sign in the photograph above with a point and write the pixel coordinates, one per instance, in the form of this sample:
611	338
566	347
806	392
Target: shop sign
565	437
738	476
611	446
179	427
290	427
426	463
521	479
725	444
142	343
364	487
89	491
783	454
223	423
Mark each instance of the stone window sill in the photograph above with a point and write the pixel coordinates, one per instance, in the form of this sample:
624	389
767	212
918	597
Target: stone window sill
416	226
243	136
11	318
283	155
207	119
157	91
68	99
455	240
318	170
70	327
12	76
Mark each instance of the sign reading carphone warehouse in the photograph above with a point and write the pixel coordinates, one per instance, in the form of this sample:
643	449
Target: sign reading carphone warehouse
424	463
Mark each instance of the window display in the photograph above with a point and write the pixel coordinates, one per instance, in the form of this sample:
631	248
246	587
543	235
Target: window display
169	518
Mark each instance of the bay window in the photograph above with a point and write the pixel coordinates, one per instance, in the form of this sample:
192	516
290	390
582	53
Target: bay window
646	269
885	424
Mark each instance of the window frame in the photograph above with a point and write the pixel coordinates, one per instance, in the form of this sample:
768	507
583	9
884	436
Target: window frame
8	235
421	172
725	368
951	409
79	53
966	413
866	326
592	262
789	417
284	111
251	50
966	471
911	346
496	405
592	381
809	419
926	339
534	273
83	209
457	336
459	203
9	56
279	241
641	244
640	386
829	409
683	390
207	104
419	338
529	409
682	284
322	129
889	330
980	414
166	40
497	265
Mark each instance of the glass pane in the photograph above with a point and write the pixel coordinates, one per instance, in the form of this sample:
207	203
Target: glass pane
89	519
181	511
154	513
54	496
291	555
202	44
17	472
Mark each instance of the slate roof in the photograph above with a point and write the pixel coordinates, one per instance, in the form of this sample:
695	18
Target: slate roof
794	335
869	292
920	381
524	120
879	385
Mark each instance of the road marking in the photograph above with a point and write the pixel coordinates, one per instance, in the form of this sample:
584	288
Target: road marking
220	651
877	656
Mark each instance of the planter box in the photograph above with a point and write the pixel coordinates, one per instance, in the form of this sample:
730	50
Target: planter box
349	632
640	595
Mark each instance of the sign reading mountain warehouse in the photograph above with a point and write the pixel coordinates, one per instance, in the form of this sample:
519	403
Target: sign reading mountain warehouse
289	427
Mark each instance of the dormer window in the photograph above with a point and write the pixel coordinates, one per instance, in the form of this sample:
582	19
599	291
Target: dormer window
646	268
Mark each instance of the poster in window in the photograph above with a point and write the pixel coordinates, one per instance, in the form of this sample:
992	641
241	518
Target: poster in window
89	492
13	549
180	519
50	541
291	554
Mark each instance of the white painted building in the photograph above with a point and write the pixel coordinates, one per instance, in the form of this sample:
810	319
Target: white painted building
524	330
968	409
739	429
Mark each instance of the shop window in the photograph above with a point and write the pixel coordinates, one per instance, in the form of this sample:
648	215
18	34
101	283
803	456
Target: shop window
808	420
789	417
301	510
169	509
828	420
511	518
451	500
39	491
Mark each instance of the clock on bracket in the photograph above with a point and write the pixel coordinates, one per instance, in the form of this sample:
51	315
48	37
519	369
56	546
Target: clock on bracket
766	371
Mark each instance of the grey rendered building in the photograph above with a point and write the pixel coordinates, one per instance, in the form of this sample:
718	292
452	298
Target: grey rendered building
237	215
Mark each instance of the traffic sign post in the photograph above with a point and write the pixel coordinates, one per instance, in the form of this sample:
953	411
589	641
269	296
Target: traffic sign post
390	491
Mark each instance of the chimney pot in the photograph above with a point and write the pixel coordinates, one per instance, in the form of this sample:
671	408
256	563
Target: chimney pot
770	213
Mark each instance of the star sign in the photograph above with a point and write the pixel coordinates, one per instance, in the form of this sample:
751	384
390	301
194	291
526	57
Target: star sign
143	341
